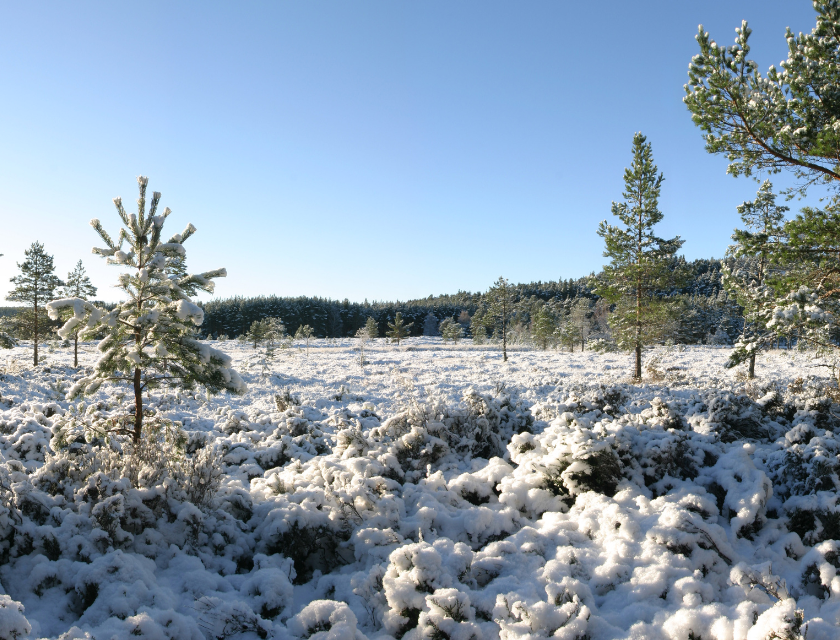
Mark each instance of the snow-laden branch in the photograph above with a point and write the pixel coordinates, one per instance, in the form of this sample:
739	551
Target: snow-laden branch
83	311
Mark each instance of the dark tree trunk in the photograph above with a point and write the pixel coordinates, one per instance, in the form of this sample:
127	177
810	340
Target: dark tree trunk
751	373
504	334
638	374
76	350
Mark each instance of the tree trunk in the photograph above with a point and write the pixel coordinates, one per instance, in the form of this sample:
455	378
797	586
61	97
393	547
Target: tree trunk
638	375
35	331
138	406
639	299
76	350
751	373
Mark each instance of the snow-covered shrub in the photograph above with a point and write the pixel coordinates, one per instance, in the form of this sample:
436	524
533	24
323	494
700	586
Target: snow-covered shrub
199	476
434	433
325	620
449	616
269	585
418	570
736	417
13	624
562	616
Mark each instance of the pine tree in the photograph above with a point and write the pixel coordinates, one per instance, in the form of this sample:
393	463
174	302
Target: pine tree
543	327
566	331
77	285
304	332
149	337
451	330
274	336
372	328
784	120
478	331
257	333
640	260
579	319
35	285
363	337
397	330
500	302
430	325
760	241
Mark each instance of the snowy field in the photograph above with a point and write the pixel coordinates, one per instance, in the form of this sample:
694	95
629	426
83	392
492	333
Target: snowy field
437	493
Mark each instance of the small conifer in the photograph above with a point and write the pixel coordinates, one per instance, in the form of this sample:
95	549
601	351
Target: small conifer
150	337
305	332
397	330
77	285
372	328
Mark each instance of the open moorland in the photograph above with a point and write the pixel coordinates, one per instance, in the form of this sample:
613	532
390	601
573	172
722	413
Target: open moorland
436	491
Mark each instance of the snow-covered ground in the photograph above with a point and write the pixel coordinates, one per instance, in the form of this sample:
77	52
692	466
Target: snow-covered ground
437	492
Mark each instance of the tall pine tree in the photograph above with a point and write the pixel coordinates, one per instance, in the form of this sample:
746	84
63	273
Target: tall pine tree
759	241
500	302
35	286
783	120
543	327
640	260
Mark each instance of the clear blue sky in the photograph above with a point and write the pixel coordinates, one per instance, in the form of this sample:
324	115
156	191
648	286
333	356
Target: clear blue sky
381	150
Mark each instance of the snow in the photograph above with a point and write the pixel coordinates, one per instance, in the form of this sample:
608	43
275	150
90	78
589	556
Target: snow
438	492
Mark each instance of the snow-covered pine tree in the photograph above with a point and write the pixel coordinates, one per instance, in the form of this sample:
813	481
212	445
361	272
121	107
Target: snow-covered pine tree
579	317
35	286
397	330
77	285
150	336
430	325
305	332
781	120
451	330
784	119
760	240
478	331
566	331
543	326
274	337
257	333
500	299
641	263
372	328
363	337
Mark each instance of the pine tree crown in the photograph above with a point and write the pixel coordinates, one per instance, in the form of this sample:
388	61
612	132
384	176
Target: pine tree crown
153	330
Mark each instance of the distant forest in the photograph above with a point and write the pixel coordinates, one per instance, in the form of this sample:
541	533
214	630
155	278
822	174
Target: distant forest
708	310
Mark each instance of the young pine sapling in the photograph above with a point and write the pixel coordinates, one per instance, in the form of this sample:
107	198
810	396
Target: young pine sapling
150	337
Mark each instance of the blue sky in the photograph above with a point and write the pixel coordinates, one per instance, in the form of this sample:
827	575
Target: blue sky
379	150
